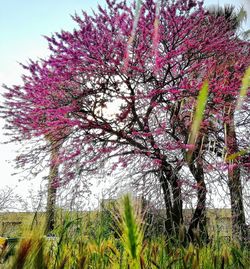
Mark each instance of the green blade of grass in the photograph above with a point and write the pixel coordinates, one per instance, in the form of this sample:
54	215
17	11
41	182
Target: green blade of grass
131	38
244	88
238	154
198	116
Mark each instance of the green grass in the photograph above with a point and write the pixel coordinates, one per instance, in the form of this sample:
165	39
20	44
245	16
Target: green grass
198	116
244	88
90	242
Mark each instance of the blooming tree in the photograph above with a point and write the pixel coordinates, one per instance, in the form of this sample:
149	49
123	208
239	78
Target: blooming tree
149	65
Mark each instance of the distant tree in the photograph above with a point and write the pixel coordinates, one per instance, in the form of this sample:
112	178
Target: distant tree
11	201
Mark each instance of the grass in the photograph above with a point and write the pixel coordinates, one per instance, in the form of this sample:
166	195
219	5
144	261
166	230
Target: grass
198	117
91	242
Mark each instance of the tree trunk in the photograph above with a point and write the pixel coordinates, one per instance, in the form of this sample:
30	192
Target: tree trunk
234	183
168	205
198	221
51	189
177	213
173	201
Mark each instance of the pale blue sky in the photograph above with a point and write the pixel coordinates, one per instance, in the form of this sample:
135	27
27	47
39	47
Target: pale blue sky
22	24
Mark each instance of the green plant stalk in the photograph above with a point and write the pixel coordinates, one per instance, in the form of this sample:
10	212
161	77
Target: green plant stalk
244	88
198	116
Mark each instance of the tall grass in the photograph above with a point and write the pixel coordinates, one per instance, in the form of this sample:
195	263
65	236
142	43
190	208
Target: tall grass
82	243
131	233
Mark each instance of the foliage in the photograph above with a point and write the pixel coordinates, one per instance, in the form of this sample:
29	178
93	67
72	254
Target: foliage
69	96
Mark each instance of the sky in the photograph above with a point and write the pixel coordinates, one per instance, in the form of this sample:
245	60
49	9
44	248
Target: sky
23	23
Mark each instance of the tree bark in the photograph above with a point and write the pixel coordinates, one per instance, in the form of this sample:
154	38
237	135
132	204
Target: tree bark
168	205
51	189
234	183
177	213
173	201
198	221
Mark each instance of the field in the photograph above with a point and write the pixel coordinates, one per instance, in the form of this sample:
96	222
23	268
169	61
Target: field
111	240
